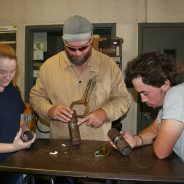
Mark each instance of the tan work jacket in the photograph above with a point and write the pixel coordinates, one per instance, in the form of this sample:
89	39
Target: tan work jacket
58	83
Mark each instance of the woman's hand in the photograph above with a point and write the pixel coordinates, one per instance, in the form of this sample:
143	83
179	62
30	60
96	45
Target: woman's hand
18	143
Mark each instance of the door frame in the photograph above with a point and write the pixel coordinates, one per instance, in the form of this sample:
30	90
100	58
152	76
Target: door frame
141	28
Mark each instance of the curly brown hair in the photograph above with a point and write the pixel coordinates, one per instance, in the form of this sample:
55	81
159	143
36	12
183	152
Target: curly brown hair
154	68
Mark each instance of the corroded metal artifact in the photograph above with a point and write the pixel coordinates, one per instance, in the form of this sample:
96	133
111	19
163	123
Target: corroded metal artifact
122	145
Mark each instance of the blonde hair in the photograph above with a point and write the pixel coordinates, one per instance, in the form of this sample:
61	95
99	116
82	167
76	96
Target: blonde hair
6	51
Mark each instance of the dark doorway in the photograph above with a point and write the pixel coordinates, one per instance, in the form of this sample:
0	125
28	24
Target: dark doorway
164	37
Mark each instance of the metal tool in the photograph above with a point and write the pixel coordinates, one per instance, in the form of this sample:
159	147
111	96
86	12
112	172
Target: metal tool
85	98
72	124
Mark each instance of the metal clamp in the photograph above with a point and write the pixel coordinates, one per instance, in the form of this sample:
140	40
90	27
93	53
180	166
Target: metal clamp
85	98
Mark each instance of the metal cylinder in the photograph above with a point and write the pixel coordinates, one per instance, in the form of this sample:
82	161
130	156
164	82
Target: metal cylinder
27	135
74	130
122	145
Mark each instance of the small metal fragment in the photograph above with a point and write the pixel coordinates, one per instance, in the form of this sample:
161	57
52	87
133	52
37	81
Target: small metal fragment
102	151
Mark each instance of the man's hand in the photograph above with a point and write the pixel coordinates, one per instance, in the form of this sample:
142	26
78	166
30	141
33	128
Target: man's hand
60	113
132	140
94	119
128	137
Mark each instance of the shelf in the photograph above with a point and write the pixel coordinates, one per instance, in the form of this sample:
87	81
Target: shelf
7	42
113	48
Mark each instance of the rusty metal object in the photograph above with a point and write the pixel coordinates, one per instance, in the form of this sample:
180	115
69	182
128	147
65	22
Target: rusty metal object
72	124
30	117
85	98
74	130
122	145
27	135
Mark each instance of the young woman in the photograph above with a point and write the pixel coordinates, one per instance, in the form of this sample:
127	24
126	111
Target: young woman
11	112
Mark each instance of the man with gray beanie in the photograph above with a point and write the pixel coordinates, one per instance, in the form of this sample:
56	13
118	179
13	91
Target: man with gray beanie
63	79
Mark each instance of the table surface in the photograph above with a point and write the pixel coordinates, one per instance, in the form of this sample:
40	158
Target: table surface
79	161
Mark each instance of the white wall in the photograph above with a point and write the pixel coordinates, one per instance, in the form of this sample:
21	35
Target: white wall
125	13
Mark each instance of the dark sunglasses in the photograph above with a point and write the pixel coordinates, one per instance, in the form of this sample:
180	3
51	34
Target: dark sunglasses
80	48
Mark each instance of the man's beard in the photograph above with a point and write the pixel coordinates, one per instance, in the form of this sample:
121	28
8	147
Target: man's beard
79	60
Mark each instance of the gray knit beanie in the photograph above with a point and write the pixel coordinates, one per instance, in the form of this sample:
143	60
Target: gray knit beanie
77	28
